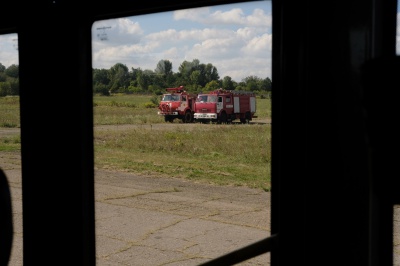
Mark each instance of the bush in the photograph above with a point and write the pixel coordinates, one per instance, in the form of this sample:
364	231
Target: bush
101	89
5	89
155	99
150	105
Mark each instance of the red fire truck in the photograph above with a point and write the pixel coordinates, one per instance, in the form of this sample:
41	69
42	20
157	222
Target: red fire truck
224	106
177	103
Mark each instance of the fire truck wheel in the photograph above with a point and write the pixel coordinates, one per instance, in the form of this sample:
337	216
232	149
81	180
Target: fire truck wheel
248	117
168	119
187	118
223	119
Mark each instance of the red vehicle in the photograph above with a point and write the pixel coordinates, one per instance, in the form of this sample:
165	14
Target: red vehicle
224	106
177	103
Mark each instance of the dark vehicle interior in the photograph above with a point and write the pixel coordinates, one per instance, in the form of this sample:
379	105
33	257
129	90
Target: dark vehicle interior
335	176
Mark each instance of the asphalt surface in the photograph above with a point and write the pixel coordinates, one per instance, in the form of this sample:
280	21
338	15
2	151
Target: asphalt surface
154	221
161	221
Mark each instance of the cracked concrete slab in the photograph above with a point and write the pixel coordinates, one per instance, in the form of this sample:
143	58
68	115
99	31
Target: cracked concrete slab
153	221
180	222
160	221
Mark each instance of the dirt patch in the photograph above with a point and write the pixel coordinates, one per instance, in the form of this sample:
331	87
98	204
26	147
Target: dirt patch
188	126
6	132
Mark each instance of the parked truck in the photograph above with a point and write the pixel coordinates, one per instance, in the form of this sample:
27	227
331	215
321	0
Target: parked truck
225	106
177	103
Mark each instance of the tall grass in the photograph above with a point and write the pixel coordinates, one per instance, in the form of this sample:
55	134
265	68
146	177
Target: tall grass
131	109
9	110
114	110
124	109
232	154
10	143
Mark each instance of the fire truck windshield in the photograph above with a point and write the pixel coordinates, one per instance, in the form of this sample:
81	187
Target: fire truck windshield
207	98
170	98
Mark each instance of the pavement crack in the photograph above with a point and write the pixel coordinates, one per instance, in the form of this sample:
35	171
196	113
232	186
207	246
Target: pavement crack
140	194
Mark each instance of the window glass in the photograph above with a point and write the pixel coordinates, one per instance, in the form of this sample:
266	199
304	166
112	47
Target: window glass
396	209
10	135
396	235
169	190
398	30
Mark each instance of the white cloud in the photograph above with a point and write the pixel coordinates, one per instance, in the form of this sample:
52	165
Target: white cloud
398	35
115	32
235	16
236	39
259	19
186	35
209	43
192	14
9	49
258	44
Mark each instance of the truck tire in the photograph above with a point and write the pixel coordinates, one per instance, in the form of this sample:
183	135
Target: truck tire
222	119
168	119
187	118
248	117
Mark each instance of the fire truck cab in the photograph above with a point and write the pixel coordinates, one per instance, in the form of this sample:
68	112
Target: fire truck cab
177	103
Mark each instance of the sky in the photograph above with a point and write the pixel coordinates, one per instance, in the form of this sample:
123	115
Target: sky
235	38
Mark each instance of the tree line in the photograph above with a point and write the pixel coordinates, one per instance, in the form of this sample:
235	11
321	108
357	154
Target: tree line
9	80
195	76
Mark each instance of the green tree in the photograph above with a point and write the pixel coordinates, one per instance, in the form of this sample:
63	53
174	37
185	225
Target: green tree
134	76
101	89
194	75
241	86
267	84
171	81
211	73
178	80
227	83
101	76
194	78
253	83
206	73
12	71
5	89
14	86
119	77
185	69
2	68
164	67
158	80
101	81
143	80
3	77
212	85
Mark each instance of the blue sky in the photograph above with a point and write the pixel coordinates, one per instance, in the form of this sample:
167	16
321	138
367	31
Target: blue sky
235	38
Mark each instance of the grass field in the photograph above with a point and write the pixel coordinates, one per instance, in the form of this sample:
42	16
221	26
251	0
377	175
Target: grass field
231	154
